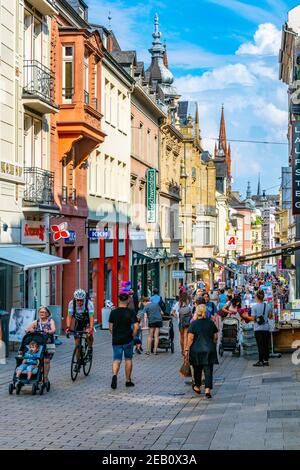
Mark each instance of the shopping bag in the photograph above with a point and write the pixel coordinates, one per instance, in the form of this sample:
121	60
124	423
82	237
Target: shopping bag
185	369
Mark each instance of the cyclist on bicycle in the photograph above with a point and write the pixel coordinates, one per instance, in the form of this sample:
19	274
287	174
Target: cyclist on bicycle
82	310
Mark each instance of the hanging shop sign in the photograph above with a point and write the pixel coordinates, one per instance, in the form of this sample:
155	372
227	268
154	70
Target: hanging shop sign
98	234
231	243
60	231
296	167
178	274
33	232
151	196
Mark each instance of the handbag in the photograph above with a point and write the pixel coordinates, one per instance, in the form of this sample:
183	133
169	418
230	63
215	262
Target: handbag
50	348
261	319
185	369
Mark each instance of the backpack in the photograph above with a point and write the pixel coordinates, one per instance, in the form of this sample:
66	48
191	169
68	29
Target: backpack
162	305
86	309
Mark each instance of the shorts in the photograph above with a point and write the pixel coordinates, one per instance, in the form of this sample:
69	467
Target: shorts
81	325
119	349
156	324
25	368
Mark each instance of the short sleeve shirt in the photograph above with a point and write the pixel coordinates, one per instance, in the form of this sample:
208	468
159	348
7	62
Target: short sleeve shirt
122	319
80	310
256	311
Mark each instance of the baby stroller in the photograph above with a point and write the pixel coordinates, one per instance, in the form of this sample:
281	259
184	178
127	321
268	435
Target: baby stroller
230	337
37	381
166	335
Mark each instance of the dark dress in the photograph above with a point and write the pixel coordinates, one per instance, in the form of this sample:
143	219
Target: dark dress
203	352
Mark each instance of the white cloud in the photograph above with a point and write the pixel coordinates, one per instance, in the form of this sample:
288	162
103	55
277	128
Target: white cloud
266	42
260	69
217	79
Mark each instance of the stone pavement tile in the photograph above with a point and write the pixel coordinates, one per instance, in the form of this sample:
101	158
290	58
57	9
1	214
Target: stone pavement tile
196	438
194	447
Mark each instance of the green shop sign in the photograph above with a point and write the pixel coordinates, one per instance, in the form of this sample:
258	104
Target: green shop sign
151	196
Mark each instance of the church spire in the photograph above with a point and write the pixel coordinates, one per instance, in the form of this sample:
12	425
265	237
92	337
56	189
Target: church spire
248	194
258	186
222	134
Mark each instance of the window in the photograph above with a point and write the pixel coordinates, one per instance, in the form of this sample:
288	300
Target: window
132	135
81	12
33	141
86	78
107	101
68	74
119	111
204	233
96	86
141	141
113	106
149	145
106	175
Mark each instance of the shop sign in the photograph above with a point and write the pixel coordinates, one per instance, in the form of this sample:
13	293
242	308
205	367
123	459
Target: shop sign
178	274
296	167
97	234
60	231
71	238
188	255
151	196
231	243
33	232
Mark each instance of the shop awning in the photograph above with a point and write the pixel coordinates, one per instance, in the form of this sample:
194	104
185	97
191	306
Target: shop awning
26	258
219	263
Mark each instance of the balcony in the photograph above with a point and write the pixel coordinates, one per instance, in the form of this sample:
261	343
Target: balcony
46	7
39	189
38	87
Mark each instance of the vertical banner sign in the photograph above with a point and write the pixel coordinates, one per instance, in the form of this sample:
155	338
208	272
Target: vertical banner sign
151	196
296	167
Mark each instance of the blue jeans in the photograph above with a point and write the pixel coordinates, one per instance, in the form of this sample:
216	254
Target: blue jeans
120	349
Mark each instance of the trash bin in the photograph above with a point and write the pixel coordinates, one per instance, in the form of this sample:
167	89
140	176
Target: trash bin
4	330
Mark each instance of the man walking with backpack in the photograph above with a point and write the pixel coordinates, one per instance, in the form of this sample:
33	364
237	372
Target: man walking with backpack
81	309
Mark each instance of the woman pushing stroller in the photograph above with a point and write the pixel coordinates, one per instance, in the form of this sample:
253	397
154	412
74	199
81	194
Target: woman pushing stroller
44	325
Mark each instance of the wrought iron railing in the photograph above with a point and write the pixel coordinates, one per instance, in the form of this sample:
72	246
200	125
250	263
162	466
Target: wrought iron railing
68	93
39	186
95	104
64	195
38	80
73	196
86	97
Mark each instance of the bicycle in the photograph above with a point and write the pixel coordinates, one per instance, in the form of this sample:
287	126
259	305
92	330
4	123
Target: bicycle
81	355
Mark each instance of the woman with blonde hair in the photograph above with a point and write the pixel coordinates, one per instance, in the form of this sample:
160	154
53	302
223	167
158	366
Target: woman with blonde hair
201	349
185	316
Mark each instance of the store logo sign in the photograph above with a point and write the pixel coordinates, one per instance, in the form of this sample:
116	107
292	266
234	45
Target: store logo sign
97	234
60	231
151	196
33	232
296	167
231	243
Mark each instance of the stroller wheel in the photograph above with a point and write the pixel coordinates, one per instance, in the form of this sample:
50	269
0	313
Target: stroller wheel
33	389
18	388
48	386
11	389
43	386
172	348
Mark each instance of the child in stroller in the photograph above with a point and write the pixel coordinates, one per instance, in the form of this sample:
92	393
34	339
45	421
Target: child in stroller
30	362
31	372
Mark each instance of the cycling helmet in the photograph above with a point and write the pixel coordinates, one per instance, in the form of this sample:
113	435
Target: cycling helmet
79	294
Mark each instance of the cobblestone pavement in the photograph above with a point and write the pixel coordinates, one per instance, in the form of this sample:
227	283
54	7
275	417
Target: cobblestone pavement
249	410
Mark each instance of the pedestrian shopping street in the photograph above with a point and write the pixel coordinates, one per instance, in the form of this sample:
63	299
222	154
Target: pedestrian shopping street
254	408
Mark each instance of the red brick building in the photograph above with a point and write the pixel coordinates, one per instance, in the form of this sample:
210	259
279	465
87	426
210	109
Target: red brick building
76	55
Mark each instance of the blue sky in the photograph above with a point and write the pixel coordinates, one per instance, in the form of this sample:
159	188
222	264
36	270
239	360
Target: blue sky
220	51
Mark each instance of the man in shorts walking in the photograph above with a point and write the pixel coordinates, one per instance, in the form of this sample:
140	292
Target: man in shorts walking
123	325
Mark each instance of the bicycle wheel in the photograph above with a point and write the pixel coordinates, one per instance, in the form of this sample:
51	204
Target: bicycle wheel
75	364
88	359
